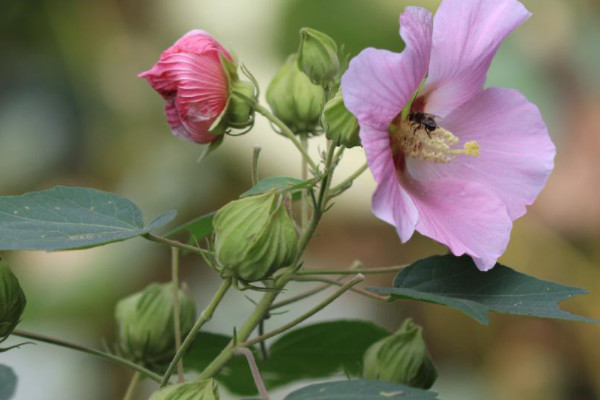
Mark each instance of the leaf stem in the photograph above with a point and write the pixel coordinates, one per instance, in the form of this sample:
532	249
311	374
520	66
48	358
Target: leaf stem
346	183
204	317
255	372
135	379
101	354
175	243
299	297
347	286
304	176
365	271
330	282
176	316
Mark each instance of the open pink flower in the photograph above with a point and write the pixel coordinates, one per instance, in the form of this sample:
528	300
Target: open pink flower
462	174
190	77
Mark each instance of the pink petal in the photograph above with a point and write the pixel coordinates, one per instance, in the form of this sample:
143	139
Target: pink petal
463	215
197	133
516	156
379	83
466	35
393	205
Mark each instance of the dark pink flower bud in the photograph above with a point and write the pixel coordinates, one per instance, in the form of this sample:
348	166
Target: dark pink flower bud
192	79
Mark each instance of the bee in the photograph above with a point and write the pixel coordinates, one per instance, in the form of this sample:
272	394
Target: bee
421	120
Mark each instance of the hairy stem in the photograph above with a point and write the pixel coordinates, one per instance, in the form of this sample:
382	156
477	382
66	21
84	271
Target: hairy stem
204	317
101	354
347	286
346	183
176	316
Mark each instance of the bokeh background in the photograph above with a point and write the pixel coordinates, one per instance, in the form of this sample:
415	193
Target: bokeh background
73	112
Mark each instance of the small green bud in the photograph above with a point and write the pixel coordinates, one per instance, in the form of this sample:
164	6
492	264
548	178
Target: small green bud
401	358
255	236
145	323
294	99
239	113
198	390
12	301
317	56
341	126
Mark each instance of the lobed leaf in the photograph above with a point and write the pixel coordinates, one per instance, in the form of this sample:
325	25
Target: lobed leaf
281	183
457	283
64	218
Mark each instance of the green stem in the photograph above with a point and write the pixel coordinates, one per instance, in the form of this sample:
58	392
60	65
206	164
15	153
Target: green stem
135	379
299	297
204	317
101	354
345	184
365	271
255	155
176	317
304	175
347	286
285	130
330	282
175	243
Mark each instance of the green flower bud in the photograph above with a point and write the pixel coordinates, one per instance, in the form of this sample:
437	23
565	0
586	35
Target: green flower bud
401	358
239	113
12	301
341	126
317	56
145	323
294	99
255	236
198	390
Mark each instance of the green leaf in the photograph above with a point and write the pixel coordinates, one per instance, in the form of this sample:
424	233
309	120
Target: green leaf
64	218
235	376
315	351
360	389
320	350
8	382
282	183
197	228
456	282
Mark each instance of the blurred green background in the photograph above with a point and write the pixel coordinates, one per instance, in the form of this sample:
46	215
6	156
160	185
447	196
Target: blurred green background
73	112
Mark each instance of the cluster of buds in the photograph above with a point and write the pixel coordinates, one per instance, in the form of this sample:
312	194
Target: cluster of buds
145	322
401	358
12	301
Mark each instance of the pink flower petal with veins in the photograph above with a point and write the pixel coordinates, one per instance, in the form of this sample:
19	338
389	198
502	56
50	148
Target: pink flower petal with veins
467	203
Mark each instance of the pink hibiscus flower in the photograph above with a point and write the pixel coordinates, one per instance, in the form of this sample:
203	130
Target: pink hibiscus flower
460	163
190	77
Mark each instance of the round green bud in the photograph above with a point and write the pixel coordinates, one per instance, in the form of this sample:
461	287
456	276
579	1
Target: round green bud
198	390
145	322
294	99
340	125
12	301
317	56
255	236
401	358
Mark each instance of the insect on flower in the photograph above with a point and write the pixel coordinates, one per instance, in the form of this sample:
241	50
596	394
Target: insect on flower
452	160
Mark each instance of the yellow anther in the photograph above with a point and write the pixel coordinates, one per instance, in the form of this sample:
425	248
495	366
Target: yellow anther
435	145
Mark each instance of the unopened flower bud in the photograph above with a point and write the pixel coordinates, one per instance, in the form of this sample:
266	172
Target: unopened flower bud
255	236
197	390
294	99
401	358
317	56
145	322
12	301
341	126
